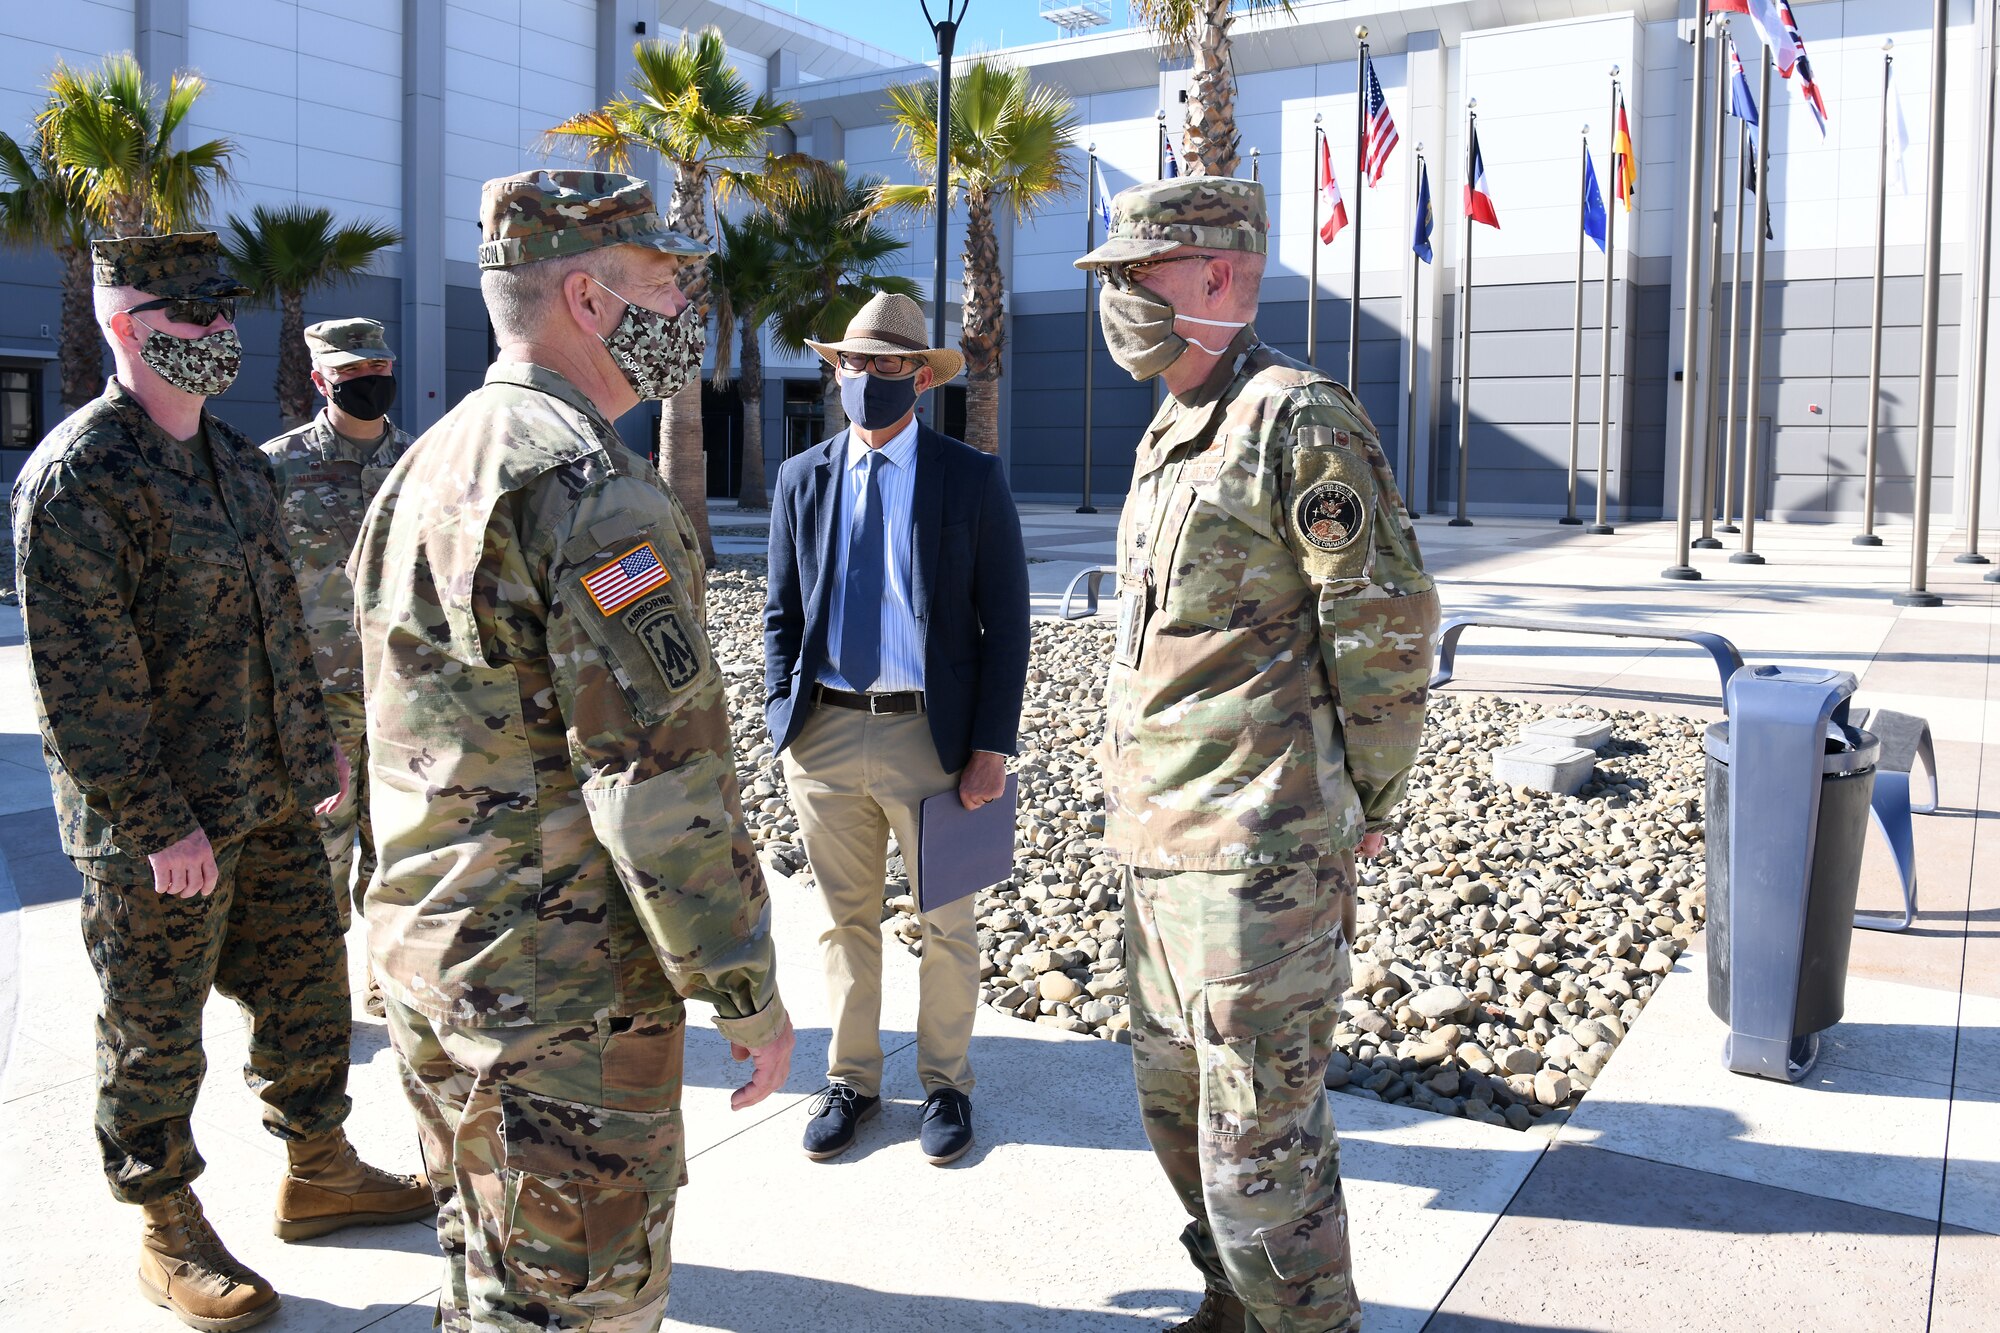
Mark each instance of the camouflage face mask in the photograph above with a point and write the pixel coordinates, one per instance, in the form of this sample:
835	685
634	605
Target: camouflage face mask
206	365
658	353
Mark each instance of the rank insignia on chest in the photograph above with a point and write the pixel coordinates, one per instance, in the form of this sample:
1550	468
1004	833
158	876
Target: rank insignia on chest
1330	516
626	579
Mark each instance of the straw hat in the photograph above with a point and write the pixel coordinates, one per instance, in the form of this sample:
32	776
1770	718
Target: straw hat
892	325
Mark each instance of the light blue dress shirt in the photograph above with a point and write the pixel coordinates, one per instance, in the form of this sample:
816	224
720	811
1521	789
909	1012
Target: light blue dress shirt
902	665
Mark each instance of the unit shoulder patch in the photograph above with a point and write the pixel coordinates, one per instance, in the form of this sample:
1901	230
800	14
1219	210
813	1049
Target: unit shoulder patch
1331	516
658	623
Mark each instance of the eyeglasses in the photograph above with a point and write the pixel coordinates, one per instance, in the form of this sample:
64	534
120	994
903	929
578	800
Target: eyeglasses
1125	276
895	367
200	311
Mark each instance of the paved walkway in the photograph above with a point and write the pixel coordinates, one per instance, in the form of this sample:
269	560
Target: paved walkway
1678	1195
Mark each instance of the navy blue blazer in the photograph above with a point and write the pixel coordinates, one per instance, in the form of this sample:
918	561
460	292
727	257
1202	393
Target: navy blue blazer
969	583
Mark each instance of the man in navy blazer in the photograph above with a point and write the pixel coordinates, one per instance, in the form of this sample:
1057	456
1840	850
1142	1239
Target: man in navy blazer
895	655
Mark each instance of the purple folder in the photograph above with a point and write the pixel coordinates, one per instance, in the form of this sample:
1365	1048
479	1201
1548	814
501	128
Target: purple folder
961	851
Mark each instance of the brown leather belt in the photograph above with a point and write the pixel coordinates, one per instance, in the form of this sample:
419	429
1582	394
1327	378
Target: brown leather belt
909	701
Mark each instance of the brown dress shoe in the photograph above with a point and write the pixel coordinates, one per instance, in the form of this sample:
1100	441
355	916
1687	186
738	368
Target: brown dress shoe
328	1187
1220	1312
184	1266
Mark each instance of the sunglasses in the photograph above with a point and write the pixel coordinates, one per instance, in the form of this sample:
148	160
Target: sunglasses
200	311
1125	276
893	366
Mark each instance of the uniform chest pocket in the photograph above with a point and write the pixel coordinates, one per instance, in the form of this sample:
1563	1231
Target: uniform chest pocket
1204	578
204	574
639	610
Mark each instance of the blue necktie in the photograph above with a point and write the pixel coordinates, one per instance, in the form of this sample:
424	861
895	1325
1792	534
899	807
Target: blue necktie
861	609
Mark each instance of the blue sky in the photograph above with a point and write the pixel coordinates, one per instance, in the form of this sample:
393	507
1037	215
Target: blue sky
898	25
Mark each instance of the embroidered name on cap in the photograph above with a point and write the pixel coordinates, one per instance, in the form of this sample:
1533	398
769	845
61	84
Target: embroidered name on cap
1330	516
626	579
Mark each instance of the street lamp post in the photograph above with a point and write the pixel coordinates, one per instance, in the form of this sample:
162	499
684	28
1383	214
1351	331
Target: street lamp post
945	30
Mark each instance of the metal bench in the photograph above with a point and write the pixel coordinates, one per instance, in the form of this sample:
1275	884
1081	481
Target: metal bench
1089	580
1906	742
1727	660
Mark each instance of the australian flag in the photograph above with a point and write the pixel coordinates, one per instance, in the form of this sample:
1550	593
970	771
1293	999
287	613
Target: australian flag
1808	88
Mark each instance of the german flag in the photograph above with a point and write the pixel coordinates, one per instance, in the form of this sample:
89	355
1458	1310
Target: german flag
1624	164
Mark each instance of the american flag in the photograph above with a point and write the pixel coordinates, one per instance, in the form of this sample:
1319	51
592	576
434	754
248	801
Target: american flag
1807	87
624	580
1379	134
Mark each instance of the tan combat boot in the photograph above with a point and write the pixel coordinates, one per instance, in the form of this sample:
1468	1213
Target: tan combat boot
328	1187
184	1266
1220	1312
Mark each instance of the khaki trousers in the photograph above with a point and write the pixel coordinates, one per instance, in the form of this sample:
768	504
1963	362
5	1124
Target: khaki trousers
854	777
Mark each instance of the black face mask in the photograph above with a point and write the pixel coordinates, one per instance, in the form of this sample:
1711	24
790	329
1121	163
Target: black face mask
872	402
365	397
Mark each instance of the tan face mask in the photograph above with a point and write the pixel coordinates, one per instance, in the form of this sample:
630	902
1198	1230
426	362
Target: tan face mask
1139	331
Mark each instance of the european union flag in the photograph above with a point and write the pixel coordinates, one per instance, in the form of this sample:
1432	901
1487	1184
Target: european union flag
1421	241
1593	203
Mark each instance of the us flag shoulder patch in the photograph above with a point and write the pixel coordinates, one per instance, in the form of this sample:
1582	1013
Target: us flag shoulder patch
626	579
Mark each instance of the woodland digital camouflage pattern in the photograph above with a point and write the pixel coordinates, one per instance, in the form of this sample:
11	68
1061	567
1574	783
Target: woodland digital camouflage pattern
1152	218
174	689
188	263
544	214
562	843
1265	704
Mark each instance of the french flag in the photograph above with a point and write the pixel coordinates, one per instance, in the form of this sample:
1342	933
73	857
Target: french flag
1479	190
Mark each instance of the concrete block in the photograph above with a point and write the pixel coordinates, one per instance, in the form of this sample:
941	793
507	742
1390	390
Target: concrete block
1581	732
1560	769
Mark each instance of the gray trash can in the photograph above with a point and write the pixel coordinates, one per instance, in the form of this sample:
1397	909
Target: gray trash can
1847	781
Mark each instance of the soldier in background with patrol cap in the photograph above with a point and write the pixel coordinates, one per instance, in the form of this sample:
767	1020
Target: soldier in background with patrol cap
327	471
184	733
1266	699
563	850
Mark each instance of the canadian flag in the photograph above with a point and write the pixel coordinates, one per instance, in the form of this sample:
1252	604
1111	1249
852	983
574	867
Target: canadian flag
1333	207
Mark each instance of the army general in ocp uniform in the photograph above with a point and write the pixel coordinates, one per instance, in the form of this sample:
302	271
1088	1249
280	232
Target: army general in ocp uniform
1266	699
563	850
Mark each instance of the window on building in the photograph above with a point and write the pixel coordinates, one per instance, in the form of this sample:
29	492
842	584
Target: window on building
950	412
805	416
20	406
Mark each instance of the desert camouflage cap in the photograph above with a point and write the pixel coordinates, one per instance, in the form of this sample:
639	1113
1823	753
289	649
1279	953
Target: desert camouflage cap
342	342
186	263
1216	212
542	214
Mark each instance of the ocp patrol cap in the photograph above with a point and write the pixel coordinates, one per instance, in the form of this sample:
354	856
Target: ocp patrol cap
538	215
1156	217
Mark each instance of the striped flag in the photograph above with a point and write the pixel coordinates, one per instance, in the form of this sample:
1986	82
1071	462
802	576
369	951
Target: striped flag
1333	206
1478	190
1378	132
1624	162
1765	17
1808	88
626	579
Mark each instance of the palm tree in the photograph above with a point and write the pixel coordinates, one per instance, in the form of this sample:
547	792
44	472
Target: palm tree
115	132
282	255
43	206
1202	26
1010	142
689	105
741	274
829	263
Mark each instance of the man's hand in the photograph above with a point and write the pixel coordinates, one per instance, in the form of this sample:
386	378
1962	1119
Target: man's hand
1372	845
770	1066
186	869
984	778
335	801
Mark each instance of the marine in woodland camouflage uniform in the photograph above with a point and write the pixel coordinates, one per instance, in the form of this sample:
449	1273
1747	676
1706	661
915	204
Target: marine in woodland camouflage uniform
326	481
1265	705
563	852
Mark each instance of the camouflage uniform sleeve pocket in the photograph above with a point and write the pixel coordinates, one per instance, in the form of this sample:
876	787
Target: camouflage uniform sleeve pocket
588	1196
1254	1042
637	604
1330	508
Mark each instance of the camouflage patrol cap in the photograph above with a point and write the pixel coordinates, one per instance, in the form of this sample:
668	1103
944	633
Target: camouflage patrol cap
186	263
543	214
1215	212
343	342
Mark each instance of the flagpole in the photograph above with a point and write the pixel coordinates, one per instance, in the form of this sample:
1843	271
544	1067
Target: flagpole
1256	163
1973	480
1089	327
1465	323
1711	386
1602	527
1867	535
1735	340
1160	143
1569	518
1313	242
1753	376
1410	391
1691	336
1360	191
1919	594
